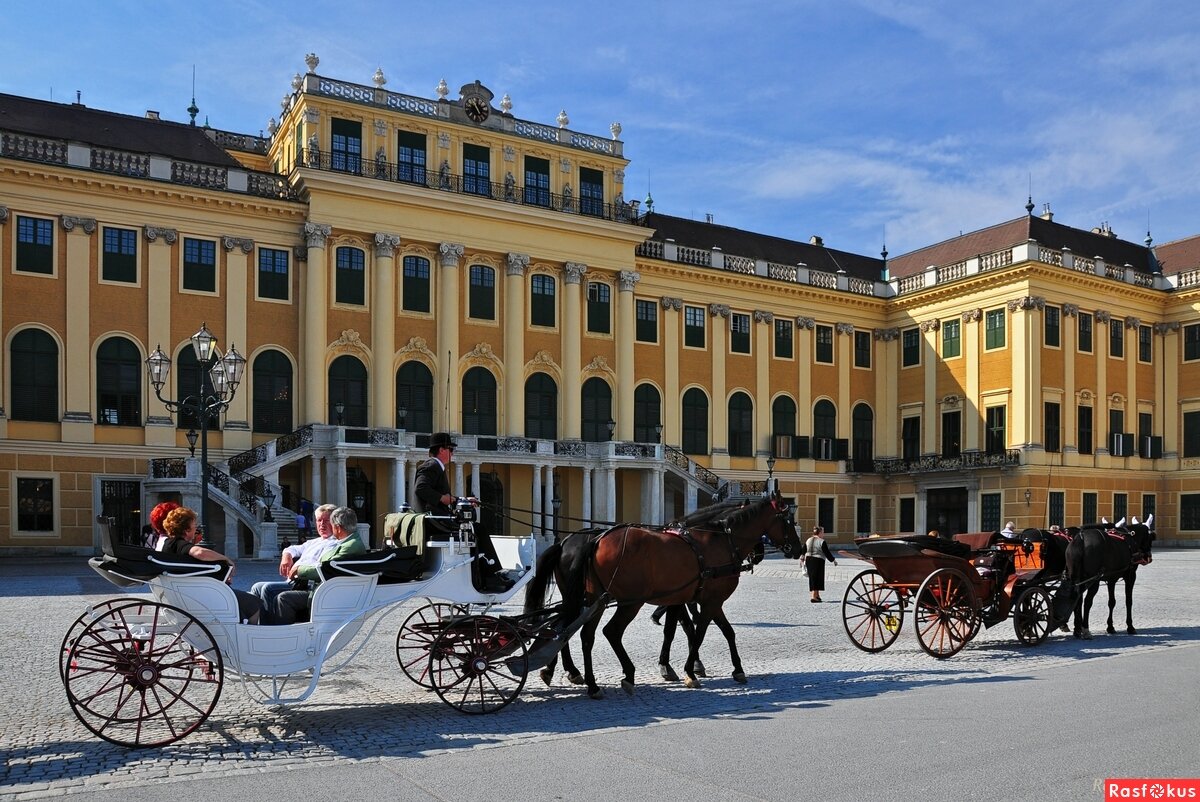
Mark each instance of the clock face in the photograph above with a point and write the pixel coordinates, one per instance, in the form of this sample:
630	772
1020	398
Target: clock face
477	109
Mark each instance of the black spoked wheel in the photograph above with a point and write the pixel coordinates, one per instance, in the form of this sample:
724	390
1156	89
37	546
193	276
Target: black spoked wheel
946	613
80	624
1031	616
872	612
143	674
416	637
477	664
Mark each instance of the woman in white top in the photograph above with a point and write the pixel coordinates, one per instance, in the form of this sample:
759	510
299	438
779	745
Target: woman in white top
816	552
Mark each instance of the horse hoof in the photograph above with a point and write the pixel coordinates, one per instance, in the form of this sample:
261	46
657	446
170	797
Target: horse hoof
546	675
627	686
597	694
1064	628
700	672
1131	631
1087	634
691	682
667	673
739	676
1112	631
575	679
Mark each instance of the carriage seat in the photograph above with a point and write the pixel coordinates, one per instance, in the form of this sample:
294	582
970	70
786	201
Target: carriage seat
905	545
393	565
128	566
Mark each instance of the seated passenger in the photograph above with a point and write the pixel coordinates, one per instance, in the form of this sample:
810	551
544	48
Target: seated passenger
290	604
182	537
157	516
307	553
1009	531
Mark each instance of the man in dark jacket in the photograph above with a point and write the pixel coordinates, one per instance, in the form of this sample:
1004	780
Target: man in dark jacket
432	493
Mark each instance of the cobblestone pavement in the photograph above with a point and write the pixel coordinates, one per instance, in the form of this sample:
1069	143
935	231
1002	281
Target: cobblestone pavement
796	653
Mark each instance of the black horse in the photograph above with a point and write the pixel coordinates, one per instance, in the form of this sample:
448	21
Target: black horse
1096	552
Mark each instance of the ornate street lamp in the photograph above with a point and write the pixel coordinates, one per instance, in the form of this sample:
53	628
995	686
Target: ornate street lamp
401	416
224	374
770	472
191	438
658	433
269	502
612	427
338	409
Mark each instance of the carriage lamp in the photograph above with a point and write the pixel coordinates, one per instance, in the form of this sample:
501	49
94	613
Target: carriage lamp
1028	495
338	409
217	381
612	427
268	503
401	416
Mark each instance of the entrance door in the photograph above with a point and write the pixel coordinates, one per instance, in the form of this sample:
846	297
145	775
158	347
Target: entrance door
946	510
121	500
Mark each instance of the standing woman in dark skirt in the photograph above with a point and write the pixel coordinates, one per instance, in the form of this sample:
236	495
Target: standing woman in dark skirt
816	552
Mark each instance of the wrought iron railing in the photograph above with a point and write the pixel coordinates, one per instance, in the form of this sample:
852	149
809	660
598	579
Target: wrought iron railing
933	463
686	464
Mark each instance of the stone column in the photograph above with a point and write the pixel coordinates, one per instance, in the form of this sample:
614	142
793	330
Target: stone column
548	502
764	331
77	423
610	492
513	385
315	492
586	502
160	427
314	313
459	487
537	499
626	322
399	474
572	327
449	255
383	331
237	303
233	546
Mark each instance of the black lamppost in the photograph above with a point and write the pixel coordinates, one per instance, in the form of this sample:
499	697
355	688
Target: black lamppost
770	471
269	501
556	503
224	374
191	436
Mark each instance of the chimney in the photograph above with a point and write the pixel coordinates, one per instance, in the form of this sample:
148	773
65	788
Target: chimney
151	114
815	240
1046	213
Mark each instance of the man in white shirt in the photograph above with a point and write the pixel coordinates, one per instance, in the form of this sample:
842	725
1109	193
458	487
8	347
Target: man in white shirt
307	553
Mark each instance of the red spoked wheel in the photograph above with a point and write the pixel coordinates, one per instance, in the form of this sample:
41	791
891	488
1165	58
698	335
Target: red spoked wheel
416	637
1031	616
80	624
872	612
143	674
477	664
946	613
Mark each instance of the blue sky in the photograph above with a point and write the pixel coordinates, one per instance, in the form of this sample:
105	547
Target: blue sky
861	121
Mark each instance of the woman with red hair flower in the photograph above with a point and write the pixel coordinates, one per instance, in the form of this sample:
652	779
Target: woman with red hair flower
157	516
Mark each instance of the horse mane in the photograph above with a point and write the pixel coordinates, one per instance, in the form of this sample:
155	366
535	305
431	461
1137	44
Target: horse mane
706	515
744	516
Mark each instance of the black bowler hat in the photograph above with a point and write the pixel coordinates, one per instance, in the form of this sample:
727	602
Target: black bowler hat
442	440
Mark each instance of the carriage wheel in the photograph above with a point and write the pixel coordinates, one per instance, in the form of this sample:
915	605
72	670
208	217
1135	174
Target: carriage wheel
417	634
946	613
1031	616
143	674
872	612
80	624
478	664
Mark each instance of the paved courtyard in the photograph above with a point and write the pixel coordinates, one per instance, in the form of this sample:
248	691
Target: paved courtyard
796	653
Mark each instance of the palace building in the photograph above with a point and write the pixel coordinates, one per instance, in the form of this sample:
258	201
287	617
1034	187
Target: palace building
390	266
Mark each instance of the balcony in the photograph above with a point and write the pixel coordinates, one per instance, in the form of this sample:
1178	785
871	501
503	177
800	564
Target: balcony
975	460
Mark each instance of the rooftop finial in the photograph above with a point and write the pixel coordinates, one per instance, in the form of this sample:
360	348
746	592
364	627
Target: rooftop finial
1029	207
192	110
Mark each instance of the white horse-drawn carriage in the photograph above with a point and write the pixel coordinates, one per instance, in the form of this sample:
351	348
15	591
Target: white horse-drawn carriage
148	671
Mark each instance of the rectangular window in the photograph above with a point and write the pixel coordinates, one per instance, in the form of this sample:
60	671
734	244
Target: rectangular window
1145	344
1090	507
647	321
1050	418
1116	339
862	516
996	436
199	265
862	349
824	342
1191	342
119	262
541	304
1146	444
693	326
599	308
482	295
1191	434
1120	506
416	284
35	504
410	157
35	245
537	181
739	333
1189	512
825	514
951	339
1058	508
345	148
910	348
951	433
1083	429
910	438
477	170
350	277
1085	333
1052	320
989	512
1116	434
783	338
1149	505
993	324
273	274
908	514
591	192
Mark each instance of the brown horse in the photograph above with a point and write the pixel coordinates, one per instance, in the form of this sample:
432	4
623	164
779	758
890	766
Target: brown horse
632	565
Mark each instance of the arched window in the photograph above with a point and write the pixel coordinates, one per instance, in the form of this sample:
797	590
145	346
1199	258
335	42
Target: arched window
741	425
824	429
863	425
647	414
414	395
541	407
188	378
34	376
479	402
695	422
597	410
272	393
783	427
350	279
118	383
348	386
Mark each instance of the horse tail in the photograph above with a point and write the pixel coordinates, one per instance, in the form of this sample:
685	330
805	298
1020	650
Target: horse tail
1072	568
535	591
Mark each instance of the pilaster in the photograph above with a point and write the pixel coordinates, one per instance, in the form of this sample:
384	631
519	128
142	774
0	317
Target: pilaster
160	428
514	345
314	313
237	306
449	256
932	426
572	347
763	329
845	357
383	331
719	315
77	423
627	281
671	413
972	419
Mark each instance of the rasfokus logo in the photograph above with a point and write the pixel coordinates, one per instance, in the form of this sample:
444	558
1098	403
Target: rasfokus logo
1144	788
